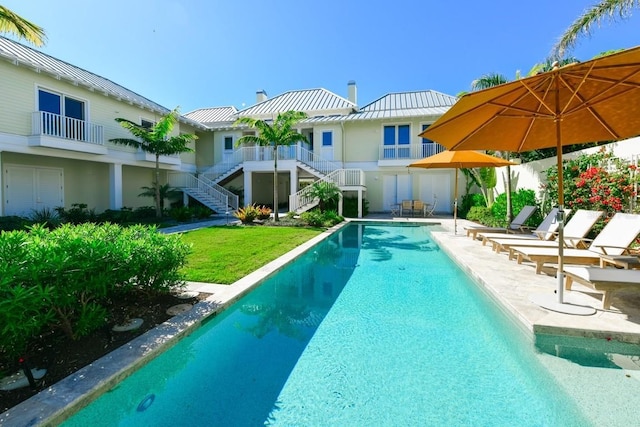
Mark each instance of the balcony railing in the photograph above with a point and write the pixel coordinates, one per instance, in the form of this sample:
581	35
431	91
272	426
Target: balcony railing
413	151
49	124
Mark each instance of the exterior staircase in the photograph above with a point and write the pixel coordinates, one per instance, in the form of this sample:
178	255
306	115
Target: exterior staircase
204	186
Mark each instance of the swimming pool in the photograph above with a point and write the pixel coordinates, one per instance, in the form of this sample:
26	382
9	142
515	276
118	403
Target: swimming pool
374	326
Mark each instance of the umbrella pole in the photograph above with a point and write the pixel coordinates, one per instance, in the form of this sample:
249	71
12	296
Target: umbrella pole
560	273
455	205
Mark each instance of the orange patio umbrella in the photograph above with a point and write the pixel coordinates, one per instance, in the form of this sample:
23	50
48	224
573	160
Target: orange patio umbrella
458	160
596	100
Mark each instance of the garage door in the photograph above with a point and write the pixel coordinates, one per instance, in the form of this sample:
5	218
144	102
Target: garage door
29	189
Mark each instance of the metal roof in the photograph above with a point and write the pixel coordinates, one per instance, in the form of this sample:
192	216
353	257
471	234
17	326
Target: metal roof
420	100
215	115
20	54
311	101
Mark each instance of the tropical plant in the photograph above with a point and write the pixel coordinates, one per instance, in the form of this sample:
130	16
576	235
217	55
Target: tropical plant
156	140
247	214
605	9
274	133
14	24
164	192
327	193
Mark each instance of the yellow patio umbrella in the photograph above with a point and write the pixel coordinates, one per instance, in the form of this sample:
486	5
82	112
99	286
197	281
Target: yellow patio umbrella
596	100
458	160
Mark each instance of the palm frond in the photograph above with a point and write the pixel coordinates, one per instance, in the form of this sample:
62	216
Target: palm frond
12	23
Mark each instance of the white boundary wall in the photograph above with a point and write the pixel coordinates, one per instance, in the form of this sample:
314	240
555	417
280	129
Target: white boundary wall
531	175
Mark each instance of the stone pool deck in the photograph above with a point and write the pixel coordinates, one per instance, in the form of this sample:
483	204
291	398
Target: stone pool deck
510	284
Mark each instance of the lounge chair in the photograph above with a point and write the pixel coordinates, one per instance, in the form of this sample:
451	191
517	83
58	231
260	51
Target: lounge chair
605	280
516	226
575	232
430	208
614	239
544	231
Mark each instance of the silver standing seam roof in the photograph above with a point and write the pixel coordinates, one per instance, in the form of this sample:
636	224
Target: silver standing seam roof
311	101
20	54
213	116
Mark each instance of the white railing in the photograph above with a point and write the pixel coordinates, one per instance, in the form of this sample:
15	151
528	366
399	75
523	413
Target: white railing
45	123
220	195
341	177
413	151
316	162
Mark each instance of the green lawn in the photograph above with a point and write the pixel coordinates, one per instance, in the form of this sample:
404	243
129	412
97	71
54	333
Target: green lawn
226	254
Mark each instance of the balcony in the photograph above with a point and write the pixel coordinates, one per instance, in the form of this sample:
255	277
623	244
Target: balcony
66	133
402	155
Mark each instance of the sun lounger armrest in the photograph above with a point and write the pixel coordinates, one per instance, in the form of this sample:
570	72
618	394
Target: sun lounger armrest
625	249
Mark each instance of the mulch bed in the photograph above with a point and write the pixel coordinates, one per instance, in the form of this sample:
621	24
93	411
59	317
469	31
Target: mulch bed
62	356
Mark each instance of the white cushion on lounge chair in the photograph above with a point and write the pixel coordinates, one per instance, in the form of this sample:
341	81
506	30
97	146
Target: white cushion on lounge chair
606	280
516	226
614	239
544	231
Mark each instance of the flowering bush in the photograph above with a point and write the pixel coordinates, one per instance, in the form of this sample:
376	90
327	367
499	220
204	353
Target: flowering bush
597	182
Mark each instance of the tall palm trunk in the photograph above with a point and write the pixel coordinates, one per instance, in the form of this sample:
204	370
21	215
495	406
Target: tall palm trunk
158	210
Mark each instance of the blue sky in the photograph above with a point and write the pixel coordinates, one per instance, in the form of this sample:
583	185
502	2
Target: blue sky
206	53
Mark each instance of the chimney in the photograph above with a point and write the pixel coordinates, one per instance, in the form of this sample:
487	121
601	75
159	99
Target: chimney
353	92
261	96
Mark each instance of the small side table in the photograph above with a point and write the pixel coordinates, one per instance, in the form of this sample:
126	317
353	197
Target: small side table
624	261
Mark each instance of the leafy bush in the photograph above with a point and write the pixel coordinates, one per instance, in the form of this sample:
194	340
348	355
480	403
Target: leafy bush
247	214
468	202
483	215
264	212
316	218
181	214
10	223
201	212
519	199
65	277
77	214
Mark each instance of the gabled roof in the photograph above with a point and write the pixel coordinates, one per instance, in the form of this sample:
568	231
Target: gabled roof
213	116
20	54
311	101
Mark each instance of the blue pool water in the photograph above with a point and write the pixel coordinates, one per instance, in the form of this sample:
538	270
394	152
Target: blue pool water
373	326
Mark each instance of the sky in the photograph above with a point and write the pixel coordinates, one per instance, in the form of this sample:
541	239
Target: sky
196	54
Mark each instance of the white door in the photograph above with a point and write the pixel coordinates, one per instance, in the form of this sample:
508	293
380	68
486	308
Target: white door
389	195
437	184
404	188
30	188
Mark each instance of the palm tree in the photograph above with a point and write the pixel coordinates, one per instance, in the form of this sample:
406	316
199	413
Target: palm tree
582	25
327	193
165	191
14	24
156	140
279	132
484	82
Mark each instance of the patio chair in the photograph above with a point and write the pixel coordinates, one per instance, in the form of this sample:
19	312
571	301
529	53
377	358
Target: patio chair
516	226
418	208
406	208
605	280
544	231
614	239
430	208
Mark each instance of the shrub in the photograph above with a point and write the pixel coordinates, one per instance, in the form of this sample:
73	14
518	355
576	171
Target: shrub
46	216
65	277
263	212
77	214
316	218
468	202
181	214
10	223
519	199
247	214
483	215
201	212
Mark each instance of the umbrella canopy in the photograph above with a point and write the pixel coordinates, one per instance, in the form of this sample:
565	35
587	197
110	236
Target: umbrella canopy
597	100
457	160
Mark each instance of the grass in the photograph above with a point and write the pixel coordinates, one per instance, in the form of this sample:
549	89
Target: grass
226	254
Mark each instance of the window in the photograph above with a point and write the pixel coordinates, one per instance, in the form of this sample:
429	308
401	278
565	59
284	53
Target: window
425	140
147	124
396	138
228	143
61	116
327	139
